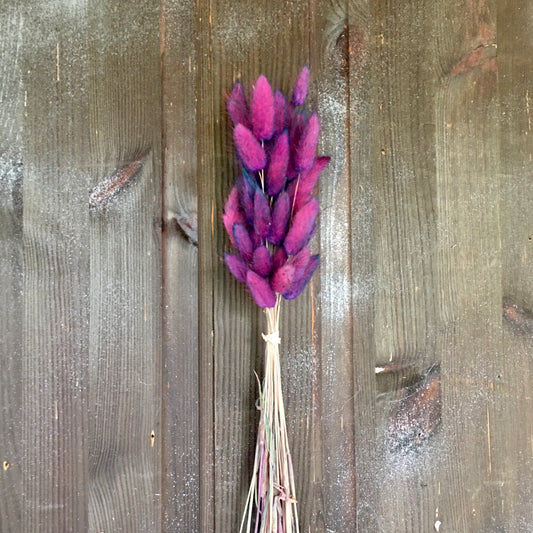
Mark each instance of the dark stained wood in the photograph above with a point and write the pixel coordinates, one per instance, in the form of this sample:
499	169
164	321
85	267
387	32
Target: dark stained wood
470	299
55	337
125	350
207	263
127	383
242	40
334	496
180	270
364	283
11	126
512	423
401	280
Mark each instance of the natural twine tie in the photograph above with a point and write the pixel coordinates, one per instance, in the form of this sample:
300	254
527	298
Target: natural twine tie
273	337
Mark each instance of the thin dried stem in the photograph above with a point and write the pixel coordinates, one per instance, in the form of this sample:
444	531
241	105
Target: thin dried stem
272	488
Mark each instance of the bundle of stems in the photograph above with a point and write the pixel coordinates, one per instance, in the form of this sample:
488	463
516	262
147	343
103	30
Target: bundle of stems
271	505
270	217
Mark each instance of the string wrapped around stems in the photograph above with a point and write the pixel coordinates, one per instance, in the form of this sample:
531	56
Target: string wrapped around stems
270	217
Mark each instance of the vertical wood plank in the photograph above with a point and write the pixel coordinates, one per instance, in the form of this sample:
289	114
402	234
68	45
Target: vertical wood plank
206	172
512	420
180	270
240	41
56	260
402	283
11	118
125	434
362	45
334	505
468	149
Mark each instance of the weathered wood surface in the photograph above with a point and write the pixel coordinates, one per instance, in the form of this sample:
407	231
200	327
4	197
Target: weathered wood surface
128	352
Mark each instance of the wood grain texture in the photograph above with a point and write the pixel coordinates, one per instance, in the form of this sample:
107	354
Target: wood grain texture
55	264
512	448
468	147
334	503
125	354
180	270
128	352
11	126
242	40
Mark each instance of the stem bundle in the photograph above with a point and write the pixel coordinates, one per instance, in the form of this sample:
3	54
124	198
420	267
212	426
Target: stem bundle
271	503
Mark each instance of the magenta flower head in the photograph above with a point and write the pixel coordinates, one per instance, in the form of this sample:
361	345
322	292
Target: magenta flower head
270	214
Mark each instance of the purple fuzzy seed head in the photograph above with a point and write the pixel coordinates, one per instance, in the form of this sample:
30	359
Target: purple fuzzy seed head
299	92
262	218
262	112
282	278
250	151
232	213
299	285
302	227
277	166
280	218
262	292
237	106
280	112
279	258
243	242
261	261
236	266
305	152
301	190
269	215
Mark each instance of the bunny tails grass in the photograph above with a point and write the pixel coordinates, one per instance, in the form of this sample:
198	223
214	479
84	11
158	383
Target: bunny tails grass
270	217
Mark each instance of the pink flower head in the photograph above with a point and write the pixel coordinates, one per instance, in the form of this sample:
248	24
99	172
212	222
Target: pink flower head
237	106
262	113
305	151
280	112
301	190
300	87
276	174
249	149
301	228
270	214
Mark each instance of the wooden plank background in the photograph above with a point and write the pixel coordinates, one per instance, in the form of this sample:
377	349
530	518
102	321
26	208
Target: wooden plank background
128	353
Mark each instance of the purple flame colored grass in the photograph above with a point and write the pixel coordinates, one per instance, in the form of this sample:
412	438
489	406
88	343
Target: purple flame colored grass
270	214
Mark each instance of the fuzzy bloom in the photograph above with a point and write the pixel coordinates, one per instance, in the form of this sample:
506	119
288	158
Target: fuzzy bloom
280	112
262	218
249	149
232	213
243	242
299	284
282	278
299	91
302	227
262	292
269	215
297	125
237	106
279	258
262	112
236	266
277	165
305	152
281	213
246	191
301	190
261	261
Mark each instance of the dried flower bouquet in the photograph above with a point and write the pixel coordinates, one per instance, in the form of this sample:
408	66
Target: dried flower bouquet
270	217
